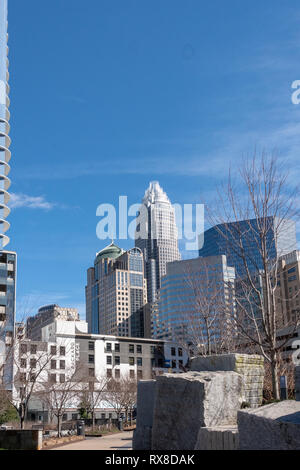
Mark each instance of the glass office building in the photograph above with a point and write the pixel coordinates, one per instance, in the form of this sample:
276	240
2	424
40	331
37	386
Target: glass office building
279	242
193	291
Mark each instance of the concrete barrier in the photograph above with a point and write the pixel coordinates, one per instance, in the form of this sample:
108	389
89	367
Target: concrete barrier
186	402
218	438
21	439
271	427
297	383
145	409
249	366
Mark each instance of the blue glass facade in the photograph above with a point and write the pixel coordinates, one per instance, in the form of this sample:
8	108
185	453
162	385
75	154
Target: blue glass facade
181	301
247	232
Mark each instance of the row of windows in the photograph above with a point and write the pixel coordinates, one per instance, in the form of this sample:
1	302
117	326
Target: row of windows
131	360
109	373
173	351
108	348
33	348
31	377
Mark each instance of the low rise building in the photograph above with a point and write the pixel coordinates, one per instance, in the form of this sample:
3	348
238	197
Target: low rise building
46	315
67	347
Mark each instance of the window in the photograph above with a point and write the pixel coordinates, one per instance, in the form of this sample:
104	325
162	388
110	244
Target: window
131	348
91	346
140	374
108	347
173	351
108	360
91	386
33	363
108	372
117	373
91	359
74	416
53	378
65	417
62	351
102	415
53	350
33	349
139	348
180	363
117	347
139	361
53	364
91	372
62	378
152	349
62	364
173	364
22	377
23	348
131	374
131	361
32	377
23	363
117	360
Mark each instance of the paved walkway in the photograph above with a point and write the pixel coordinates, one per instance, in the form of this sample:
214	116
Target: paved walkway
119	441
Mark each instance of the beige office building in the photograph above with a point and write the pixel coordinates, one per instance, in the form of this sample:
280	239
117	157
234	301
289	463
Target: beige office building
116	293
288	289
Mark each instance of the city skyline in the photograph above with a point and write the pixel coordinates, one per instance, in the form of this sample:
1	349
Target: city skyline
214	105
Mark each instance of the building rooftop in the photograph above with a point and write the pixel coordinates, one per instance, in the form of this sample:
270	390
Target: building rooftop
111	251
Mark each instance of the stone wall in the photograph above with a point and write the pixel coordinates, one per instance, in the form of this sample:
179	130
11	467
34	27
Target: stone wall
251	367
145	409
297	382
21	439
270	427
186	402
218	438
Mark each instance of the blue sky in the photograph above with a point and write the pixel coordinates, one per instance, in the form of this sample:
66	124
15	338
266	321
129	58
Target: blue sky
108	95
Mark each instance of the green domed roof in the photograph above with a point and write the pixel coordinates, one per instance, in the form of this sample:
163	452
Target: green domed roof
111	251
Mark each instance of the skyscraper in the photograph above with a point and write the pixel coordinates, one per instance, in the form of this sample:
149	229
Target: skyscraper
279	242
156	236
7	258
116	293
196	293
4	127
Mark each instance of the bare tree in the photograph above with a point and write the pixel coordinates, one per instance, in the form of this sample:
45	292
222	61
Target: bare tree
114	396
93	392
129	388
30	361
58	397
261	206
121	395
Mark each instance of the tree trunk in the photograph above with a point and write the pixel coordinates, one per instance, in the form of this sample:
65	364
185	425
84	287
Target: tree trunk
58	426
22	419
93	420
275	384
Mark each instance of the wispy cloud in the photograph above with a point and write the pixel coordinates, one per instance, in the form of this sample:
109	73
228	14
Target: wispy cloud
19	200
